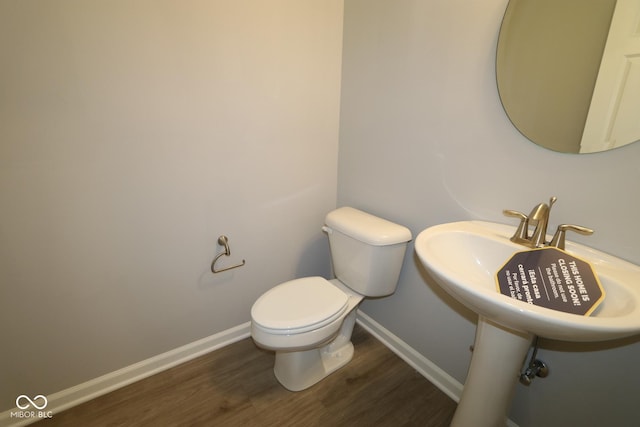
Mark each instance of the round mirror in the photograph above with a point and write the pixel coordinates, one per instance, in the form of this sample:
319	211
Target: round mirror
568	72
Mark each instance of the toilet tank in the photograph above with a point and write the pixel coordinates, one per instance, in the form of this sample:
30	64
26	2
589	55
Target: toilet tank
366	251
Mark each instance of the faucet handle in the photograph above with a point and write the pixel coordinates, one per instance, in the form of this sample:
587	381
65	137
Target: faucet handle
558	238
522	233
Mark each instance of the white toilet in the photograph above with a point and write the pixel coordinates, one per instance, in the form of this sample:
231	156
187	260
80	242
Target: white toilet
309	321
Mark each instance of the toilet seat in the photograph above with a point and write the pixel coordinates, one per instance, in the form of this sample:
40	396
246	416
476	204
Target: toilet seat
299	305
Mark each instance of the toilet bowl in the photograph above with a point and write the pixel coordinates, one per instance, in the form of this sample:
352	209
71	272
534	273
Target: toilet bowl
308	322
301	314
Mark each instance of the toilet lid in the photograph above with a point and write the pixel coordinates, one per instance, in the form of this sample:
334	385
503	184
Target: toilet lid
301	304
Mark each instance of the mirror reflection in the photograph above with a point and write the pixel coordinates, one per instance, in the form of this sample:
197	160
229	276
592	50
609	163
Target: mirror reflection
568	72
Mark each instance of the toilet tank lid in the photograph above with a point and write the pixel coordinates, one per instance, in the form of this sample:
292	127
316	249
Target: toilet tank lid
367	228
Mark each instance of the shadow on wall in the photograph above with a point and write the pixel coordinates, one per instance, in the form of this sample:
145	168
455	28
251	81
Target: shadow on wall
315	259
584	347
454	304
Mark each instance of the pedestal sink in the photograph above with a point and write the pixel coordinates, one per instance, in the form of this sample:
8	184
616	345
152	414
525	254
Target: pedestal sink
464	257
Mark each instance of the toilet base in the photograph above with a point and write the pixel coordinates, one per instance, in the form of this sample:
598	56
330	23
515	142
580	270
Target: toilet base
298	370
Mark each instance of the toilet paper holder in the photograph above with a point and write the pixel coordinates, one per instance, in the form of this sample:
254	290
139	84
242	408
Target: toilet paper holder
224	242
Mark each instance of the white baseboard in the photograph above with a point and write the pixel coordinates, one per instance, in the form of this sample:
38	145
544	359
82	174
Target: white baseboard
73	396
65	399
445	382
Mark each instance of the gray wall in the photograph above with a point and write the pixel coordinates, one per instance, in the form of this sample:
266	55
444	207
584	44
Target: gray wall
424	140
121	163
132	135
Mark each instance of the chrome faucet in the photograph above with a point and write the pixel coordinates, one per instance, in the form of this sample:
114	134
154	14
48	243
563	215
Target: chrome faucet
539	217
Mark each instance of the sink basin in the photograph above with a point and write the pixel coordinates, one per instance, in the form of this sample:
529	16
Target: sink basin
464	257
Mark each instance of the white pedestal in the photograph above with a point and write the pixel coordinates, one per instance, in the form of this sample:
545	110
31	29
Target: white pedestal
498	356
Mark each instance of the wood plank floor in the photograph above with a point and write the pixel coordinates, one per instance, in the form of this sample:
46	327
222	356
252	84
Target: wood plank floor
235	386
